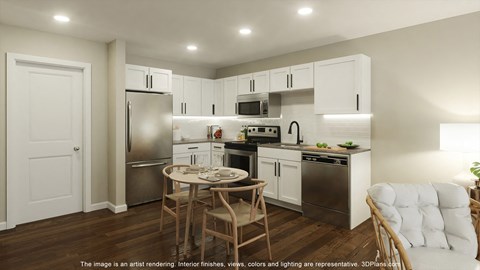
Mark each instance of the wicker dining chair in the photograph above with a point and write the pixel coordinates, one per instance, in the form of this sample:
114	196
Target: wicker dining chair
236	216
181	199
396	253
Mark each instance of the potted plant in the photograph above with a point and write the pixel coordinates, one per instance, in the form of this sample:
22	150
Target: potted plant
475	169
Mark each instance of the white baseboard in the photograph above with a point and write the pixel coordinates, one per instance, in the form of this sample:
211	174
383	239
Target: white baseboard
96	206
116	208
3	226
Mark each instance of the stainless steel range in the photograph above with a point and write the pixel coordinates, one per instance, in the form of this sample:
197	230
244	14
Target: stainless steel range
243	154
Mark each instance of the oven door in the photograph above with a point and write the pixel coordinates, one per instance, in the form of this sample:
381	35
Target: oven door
245	160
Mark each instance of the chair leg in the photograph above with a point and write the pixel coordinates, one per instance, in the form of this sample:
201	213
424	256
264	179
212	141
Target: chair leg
204	227
177	223
267	237
235	246
213	207
241	235
193	219
227	232
161	214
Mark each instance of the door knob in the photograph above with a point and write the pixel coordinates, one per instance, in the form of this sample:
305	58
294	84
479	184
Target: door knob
76	148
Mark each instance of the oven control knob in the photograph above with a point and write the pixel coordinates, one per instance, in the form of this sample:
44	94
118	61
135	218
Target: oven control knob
269	130
249	130
253	129
274	131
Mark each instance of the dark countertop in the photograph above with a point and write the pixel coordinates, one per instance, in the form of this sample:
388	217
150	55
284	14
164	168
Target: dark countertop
204	140
312	148
286	146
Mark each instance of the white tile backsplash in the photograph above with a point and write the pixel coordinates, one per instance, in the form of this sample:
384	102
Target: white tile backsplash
296	106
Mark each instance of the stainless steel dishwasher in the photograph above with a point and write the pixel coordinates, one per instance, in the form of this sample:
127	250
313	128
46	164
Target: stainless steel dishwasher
325	188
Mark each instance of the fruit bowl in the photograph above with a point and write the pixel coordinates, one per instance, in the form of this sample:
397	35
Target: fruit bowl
348	146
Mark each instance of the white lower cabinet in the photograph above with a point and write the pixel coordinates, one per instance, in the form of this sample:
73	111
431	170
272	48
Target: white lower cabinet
192	153
282	171
218	155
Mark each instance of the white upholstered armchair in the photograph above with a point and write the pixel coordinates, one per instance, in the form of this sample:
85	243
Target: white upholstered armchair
425	226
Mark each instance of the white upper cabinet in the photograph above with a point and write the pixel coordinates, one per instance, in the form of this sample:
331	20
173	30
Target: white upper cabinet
258	82
279	79
230	96
187	95
208	97
177	91
244	84
342	85
192	96
291	78
148	79
218	96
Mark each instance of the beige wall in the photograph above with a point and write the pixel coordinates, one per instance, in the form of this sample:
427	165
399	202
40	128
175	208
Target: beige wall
421	76
177	68
20	40
116	122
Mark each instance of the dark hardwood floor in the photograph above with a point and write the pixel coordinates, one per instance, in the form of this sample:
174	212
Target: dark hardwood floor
103	240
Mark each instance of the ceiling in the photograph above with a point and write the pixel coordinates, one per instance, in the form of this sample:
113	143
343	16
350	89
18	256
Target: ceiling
163	28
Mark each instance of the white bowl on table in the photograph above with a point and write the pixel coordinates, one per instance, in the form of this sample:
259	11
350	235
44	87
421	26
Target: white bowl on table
224	172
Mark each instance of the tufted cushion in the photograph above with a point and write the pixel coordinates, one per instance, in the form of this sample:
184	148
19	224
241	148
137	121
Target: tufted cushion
423	258
428	215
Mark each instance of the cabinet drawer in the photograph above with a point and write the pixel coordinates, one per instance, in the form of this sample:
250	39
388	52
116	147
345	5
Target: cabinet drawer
190	147
218	147
292	155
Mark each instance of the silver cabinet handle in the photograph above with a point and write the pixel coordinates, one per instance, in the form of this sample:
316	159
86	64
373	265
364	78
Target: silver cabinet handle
147	80
129	126
181	108
149	165
76	148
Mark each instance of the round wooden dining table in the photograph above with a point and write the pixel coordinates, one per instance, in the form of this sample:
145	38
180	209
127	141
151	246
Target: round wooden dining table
195	180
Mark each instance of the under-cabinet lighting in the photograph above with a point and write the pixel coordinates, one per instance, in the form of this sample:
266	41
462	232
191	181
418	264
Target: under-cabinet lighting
347	116
61	18
203	117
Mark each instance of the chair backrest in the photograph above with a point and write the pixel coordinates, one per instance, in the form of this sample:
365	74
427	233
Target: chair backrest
435	215
257	202
166	176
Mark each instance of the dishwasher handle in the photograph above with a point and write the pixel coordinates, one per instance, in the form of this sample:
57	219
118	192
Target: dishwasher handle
325	159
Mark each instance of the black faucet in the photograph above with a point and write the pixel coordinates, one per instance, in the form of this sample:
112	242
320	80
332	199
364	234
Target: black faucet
298	131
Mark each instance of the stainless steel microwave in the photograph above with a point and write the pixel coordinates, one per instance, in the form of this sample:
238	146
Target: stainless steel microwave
259	105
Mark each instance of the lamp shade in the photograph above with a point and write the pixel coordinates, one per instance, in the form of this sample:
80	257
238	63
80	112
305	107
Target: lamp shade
460	137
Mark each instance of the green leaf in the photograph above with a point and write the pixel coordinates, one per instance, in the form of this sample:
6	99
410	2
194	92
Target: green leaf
475	169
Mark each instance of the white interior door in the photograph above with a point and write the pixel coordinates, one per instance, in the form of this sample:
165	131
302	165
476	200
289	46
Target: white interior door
45	141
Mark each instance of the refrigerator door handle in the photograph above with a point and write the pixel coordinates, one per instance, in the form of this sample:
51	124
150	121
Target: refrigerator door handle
149	164
129	126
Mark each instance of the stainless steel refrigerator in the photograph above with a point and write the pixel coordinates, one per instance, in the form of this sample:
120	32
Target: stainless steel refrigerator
148	145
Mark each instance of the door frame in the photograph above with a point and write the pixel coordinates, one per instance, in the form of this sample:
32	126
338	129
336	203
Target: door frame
86	68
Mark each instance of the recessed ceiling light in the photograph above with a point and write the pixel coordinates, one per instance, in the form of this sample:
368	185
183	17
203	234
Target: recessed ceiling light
192	48
61	18
245	31
305	11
